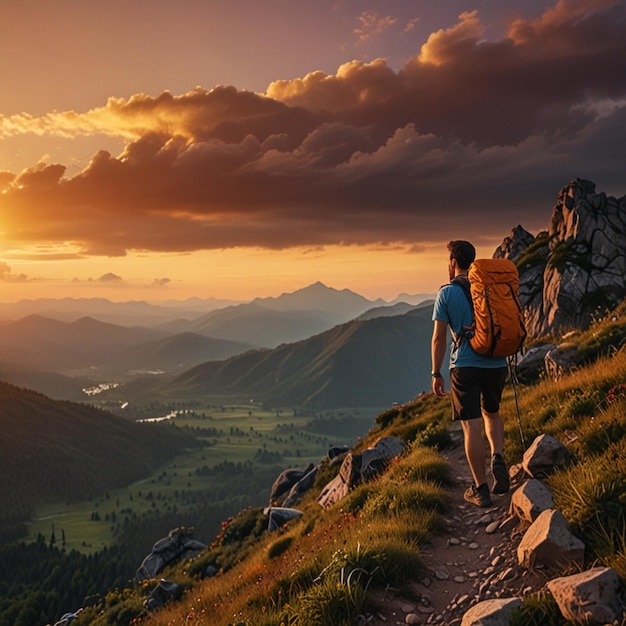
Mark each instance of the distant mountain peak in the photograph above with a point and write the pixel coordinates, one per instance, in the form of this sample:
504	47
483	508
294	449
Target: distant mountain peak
318	297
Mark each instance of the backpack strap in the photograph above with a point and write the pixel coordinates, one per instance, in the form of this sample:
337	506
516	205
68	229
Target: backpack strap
467	331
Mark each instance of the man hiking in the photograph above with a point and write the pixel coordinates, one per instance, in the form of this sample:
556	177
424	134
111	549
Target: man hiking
476	381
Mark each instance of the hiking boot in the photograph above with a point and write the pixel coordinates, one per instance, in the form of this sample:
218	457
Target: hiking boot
478	495
500	473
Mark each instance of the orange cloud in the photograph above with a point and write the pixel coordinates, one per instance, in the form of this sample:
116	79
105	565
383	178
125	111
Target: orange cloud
371	25
446	45
469	136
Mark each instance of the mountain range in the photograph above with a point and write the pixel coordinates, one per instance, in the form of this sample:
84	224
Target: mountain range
362	363
61	357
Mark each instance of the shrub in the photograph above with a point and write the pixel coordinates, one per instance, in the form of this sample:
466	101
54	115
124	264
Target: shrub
597	435
422	463
278	547
390	497
328	603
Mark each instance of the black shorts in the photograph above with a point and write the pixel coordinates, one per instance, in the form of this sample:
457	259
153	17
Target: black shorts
476	387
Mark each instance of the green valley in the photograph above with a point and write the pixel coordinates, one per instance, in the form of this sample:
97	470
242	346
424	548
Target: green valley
239	451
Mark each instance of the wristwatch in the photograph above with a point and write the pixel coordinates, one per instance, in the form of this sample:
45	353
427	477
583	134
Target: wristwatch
436	374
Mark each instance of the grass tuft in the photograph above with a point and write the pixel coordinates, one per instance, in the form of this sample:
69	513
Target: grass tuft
537	610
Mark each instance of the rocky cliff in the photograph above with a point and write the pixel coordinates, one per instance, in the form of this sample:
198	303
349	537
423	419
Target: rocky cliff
575	270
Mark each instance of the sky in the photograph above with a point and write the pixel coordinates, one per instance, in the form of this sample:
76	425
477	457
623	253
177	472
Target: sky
154	150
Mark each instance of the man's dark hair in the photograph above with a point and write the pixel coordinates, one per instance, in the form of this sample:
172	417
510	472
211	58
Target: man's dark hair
463	252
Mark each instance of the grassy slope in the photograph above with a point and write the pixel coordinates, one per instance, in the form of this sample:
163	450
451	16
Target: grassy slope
377	530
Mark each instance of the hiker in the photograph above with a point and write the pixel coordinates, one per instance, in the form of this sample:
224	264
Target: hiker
476	381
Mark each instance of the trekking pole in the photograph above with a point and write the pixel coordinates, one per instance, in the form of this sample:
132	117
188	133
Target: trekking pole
513	374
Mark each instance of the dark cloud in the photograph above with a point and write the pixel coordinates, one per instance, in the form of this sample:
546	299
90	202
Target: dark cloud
7	275
470	136
110	277
160	282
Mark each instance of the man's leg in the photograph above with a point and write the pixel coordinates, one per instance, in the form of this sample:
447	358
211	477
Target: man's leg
494	429
475	449
465	388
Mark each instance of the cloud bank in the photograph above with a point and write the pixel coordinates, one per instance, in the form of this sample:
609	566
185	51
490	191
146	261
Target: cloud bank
469	137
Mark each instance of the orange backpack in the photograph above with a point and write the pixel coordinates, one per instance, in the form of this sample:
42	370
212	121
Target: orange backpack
497	329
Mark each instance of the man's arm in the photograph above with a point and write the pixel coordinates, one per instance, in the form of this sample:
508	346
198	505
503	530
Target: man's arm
438	352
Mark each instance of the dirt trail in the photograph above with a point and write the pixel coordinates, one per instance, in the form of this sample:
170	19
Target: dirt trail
473	558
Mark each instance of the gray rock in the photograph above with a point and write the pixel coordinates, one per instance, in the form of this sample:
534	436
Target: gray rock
349	476
278	516
163	593
560	360
177	546
591	597
356	468
491	612
374	460
549	542
514	246
545	453
286	481
531	364
301	487
531	499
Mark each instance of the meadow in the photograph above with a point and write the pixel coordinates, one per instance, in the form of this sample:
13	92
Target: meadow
234	438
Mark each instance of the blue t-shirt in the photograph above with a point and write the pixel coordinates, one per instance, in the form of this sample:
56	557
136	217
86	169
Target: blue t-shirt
453	307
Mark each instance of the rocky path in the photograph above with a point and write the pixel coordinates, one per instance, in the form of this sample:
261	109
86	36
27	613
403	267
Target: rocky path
473	558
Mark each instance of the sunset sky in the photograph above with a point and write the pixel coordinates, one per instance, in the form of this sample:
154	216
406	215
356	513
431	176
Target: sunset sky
161	150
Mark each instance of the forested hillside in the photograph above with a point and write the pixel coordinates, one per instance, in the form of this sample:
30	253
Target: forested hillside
363	363
52	450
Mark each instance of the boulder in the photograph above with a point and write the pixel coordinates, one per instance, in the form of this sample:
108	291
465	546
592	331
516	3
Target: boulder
530	500
356	468
591	597
348	477
532	364
279	516
549	542
374	460
491	612
285	481
560	360
337	451
543	455
301	487
178	545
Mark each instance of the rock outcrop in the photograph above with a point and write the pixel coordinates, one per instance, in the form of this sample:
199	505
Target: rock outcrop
292	484
577	269
357	468
177	546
